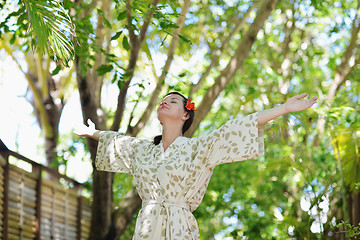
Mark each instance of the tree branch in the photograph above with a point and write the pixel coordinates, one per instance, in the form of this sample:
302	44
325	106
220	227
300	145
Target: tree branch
132	36
123	215
342	71
134	53
286	65
171	52
225	43
101	40
40	73
147	22
343	68
132	113
234	64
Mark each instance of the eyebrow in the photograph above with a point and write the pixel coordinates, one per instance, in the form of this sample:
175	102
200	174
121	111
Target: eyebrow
173	98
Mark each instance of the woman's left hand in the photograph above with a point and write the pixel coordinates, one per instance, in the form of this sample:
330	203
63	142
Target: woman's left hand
294	104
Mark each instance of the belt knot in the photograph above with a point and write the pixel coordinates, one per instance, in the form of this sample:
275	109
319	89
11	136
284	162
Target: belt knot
165	204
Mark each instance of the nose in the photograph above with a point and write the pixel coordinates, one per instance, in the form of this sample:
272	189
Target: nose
163	103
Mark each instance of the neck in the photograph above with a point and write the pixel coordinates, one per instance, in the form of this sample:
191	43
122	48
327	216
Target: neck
169	134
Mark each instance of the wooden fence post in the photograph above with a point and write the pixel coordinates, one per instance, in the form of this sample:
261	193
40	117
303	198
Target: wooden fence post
38	171
6	199
79	211
4	152
43	221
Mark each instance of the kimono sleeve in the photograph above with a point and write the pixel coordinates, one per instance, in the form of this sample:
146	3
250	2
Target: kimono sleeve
237	140
115	152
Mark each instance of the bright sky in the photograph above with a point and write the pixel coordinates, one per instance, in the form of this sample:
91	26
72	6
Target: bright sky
18	128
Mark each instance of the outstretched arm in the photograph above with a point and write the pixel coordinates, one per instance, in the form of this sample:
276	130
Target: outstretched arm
87	131
294	104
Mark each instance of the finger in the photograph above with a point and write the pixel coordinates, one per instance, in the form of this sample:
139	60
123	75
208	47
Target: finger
76	130
314	99
301	96
90	123
76	127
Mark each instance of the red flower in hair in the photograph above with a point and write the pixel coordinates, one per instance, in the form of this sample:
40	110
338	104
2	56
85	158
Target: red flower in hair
190	105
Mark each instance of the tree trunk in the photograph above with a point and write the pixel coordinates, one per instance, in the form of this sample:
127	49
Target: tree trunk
125	213
356	209
102	181
53	113
101	208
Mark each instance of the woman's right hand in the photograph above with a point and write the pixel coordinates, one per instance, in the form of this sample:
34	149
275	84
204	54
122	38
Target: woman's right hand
87	131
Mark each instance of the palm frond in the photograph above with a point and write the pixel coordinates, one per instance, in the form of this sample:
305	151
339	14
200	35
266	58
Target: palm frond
344	129
52	29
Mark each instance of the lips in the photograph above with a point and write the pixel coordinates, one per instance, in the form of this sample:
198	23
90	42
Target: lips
164	107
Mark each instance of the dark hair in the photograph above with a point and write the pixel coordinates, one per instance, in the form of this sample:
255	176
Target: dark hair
187	123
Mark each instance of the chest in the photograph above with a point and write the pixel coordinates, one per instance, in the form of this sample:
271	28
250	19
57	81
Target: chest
169	168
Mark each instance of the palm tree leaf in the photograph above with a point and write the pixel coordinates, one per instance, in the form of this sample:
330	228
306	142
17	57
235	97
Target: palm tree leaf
345	140
52	29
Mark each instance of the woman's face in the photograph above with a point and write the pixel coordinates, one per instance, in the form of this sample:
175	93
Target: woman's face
172	106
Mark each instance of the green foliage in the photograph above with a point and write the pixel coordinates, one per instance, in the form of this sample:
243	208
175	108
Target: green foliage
50	27
56	70
344	124
161	26
293	167
125	43
351	230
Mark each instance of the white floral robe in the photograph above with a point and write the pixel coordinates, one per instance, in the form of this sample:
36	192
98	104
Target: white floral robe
172	183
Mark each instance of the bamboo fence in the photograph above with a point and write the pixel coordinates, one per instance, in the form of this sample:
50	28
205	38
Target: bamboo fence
33	207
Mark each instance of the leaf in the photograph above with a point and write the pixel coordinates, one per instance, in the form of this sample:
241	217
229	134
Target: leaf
121	84
126	44
163	41
168	24
184	39
163	25
182	74
21	19
121	15
56	70
52	29
157	15
117	35
13	38
114	78
106	22
103	69
127	74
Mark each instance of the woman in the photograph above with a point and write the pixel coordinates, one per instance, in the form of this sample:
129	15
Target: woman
171	172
